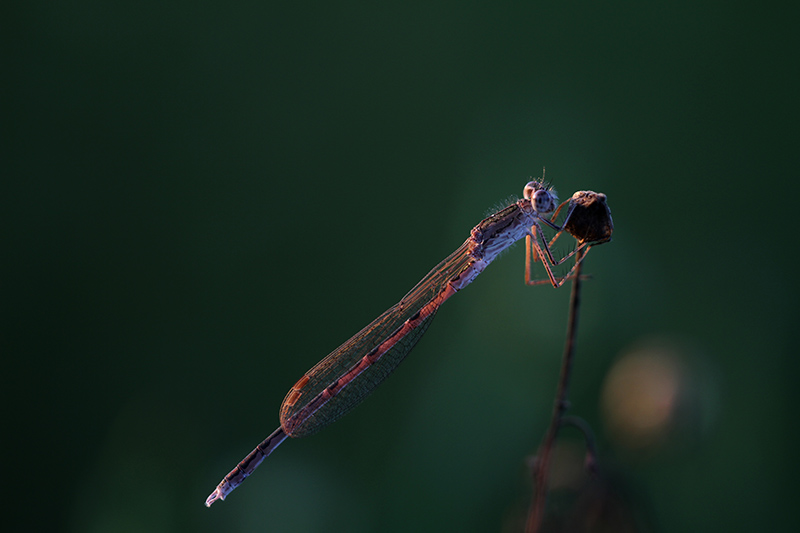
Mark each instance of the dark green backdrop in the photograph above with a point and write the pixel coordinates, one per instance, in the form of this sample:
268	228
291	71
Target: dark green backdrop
202	199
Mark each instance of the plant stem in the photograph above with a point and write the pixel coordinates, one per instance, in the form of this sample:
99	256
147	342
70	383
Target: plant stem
542	464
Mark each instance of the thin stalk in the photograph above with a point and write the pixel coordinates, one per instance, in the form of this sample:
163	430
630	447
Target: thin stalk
542	464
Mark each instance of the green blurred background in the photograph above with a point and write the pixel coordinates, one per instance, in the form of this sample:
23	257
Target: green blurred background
202	199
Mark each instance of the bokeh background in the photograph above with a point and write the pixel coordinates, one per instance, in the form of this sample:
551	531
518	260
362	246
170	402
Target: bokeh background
202	199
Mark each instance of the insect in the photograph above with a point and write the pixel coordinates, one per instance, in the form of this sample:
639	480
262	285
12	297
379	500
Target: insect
351	372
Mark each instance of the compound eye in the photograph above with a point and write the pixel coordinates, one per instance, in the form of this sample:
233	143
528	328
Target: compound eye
544	201
530	188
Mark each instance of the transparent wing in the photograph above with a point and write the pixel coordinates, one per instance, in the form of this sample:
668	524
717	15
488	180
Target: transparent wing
301	415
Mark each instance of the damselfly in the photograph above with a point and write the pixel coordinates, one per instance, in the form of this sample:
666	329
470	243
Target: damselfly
352	371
